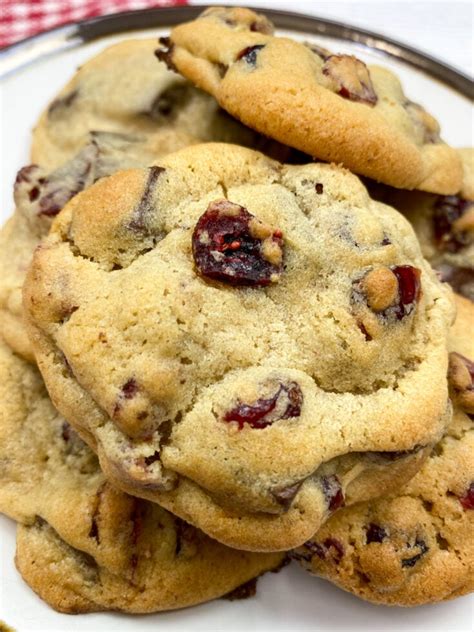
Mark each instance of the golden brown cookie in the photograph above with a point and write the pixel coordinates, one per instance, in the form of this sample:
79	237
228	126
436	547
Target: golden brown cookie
242	340
84	545
39	196
123	90
330	106
414	546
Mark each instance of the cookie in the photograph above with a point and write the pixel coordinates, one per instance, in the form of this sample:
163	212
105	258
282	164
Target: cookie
331	106
246	343
123	90
39	196
444	226
82	544
415	546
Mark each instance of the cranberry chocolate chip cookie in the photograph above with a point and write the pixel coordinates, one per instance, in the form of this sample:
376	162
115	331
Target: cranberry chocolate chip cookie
251	345
444	226
39	196
415	546
82	544
123	90
330	106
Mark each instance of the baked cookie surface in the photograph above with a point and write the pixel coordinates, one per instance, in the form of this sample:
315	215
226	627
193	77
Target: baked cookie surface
39	196
202	322
84	545
123	90
444	226
414	546
332	107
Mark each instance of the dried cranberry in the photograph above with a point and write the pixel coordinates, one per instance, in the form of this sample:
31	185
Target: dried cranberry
447	210
129	389
286	403
231	245
467	501
249	54
332	492
351	78
330	548
409	289
375	533
25	174
310	548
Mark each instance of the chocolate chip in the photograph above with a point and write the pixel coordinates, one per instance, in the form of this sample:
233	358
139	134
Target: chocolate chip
409	562
375	533
62	103
145	207
244	591
285	495
459	278
449	232
165	53
168	103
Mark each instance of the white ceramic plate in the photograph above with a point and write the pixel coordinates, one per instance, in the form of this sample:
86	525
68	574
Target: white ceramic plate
291	599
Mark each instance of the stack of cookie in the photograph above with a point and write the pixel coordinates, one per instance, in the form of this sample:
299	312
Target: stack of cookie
247	358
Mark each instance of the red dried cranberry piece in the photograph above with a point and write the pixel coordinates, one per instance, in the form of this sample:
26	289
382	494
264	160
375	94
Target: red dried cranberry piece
334	548
351	78
375	533
25	174
447	210
310	548
332	492
130	389
286	403
467	501
231	245
249	54
409	289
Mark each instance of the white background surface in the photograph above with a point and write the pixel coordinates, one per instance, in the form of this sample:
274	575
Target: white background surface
290	600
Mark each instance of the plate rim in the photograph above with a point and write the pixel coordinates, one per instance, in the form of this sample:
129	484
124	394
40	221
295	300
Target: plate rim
72	34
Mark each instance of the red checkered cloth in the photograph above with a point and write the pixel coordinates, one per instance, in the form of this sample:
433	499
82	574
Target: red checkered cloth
22	18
